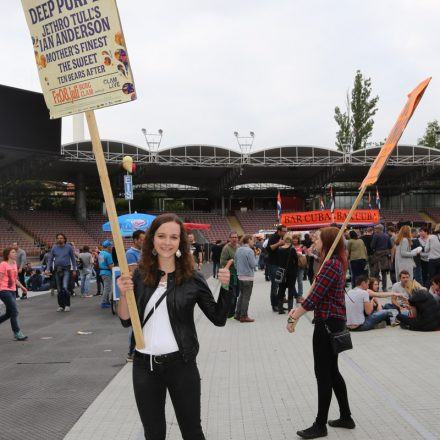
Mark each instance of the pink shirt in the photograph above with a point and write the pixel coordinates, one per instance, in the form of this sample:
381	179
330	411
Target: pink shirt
9	277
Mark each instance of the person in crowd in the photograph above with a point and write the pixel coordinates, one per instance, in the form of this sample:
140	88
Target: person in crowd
288	260
381	246
105	269
357	256
245	261
417	273
265	256
196	251
167	288
21	263
259	247
86	265
423	239
275	241
363	313
423	312
301	264
391	231
327	299
8	284
38	283
133	256
62	259
404	256
313	257
228	254
74	277
216	251
306	242
367	238
402	291
99	282
435	288
432	248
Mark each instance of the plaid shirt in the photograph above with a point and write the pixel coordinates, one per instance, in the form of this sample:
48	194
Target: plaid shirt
328	295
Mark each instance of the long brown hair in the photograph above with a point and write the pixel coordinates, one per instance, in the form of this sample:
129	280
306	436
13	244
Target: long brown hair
404	232
149	264
328	236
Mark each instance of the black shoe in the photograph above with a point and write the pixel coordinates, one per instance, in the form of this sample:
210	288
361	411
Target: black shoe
315	431
274	309
342	423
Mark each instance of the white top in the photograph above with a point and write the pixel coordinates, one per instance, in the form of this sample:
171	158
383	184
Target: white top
354	304
432	247
158	334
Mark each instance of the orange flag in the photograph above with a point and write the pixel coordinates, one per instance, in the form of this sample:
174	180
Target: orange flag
381	160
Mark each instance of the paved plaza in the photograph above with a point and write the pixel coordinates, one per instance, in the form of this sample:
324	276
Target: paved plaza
257	380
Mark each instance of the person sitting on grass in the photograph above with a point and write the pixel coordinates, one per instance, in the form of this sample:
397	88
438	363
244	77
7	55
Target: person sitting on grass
423	312
363	313
402	291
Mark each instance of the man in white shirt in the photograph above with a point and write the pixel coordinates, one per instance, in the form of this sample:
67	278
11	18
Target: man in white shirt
363	313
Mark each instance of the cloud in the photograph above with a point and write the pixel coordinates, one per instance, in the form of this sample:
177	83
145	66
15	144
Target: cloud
204	69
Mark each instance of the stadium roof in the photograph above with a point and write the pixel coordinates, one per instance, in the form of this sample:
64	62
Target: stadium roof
216	169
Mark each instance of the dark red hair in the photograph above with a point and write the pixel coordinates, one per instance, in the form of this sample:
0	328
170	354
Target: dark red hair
328	236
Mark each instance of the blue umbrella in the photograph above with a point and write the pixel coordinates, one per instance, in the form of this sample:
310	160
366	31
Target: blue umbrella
129	223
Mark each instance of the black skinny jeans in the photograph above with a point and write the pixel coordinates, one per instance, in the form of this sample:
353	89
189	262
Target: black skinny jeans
327	372
182	380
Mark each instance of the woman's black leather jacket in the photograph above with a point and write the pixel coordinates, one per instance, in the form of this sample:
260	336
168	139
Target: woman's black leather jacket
181	300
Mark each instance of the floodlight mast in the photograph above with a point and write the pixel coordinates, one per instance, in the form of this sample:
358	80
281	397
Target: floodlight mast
245	144
153	141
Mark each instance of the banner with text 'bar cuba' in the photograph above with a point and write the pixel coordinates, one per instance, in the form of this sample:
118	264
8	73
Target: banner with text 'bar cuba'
80	52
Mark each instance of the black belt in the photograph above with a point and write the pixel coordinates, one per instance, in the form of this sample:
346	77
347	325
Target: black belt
159	359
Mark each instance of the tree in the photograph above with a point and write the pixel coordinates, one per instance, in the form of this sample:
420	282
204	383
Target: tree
431	137
355	129
343	136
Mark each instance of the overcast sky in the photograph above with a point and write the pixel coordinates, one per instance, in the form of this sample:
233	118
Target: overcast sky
204	69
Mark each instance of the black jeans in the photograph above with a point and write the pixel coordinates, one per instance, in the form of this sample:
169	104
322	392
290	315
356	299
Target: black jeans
182	380
291	293
357	268
327	372
433	267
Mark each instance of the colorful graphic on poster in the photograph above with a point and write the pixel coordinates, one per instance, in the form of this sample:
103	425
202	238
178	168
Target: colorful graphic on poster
80	53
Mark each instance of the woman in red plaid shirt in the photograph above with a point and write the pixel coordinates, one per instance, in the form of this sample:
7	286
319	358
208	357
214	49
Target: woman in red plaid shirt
327	300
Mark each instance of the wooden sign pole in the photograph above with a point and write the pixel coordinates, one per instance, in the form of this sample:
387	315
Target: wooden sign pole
113	219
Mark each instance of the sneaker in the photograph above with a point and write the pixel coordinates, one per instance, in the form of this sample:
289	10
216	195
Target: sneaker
381	324
67	309
88	296
19	336
24	297
129	357
342	423
105	305
315	431
60	309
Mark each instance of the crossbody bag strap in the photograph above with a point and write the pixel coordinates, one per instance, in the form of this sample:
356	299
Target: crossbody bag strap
150	313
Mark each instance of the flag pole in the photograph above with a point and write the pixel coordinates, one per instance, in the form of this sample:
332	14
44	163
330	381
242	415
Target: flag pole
381	160
113	219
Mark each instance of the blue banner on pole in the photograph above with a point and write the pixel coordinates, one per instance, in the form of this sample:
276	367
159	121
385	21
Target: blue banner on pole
128	187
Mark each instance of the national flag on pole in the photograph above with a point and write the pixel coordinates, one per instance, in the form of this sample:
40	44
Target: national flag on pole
279	206
377	198
321	204
332	200
369	199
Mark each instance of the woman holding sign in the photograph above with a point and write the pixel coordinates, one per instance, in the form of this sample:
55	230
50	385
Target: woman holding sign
327	299
167	289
